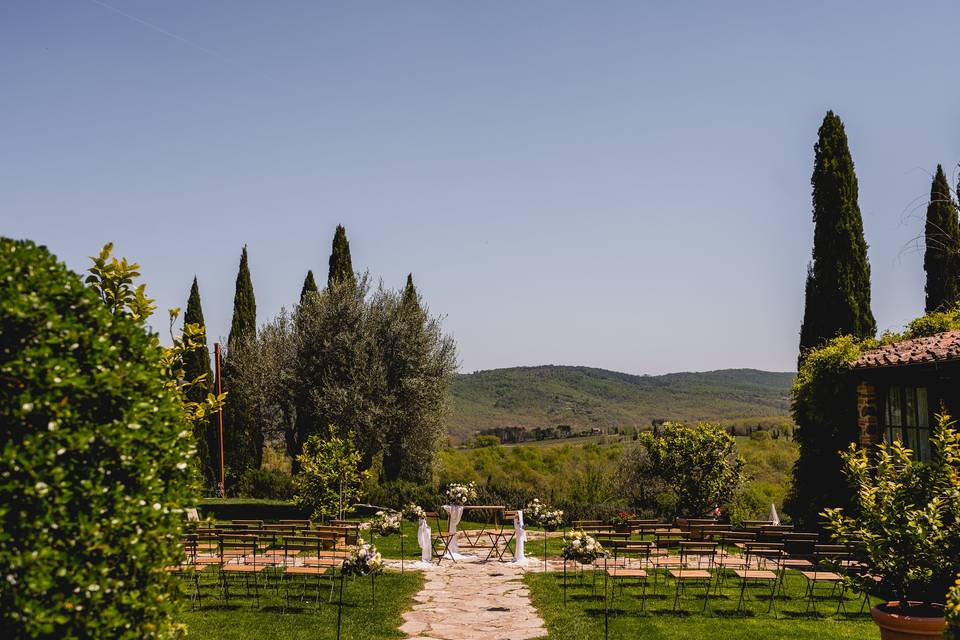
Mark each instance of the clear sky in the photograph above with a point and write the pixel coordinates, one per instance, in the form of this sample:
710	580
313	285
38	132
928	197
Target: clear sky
622	185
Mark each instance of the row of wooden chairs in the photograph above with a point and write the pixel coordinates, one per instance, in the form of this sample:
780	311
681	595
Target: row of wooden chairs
709	564
244	558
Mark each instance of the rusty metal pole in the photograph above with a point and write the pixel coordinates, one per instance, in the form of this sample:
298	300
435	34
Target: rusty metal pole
223	486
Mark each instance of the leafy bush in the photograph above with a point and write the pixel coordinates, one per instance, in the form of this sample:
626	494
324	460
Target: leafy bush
95	463
907	515
953	611
268	484
330	480
697	466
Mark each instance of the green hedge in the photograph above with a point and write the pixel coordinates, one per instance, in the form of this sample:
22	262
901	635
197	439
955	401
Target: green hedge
94	461
250	509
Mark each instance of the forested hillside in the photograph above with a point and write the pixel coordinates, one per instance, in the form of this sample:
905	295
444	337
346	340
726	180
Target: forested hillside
584	397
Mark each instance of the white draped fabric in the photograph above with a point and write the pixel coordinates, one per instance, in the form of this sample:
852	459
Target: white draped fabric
425	540
773	517
519	537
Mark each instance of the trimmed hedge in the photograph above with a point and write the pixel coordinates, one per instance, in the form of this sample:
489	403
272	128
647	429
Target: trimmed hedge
95	461
248	509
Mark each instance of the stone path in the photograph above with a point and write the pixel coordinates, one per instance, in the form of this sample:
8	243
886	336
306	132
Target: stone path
473	600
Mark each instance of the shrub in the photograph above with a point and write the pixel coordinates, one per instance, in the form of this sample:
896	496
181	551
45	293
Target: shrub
907	517
94	465
697	466
266	484
330	480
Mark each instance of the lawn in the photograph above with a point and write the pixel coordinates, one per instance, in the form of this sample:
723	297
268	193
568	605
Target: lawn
242	620
582	617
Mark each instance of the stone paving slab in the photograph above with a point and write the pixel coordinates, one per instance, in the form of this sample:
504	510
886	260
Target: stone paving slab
474	600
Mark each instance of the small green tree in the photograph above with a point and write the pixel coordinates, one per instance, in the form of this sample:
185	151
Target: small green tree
906	517
698	466
330	480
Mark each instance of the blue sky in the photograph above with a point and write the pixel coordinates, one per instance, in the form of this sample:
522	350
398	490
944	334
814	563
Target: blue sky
622	185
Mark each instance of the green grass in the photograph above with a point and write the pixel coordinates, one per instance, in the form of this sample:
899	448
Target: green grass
582	617
242	621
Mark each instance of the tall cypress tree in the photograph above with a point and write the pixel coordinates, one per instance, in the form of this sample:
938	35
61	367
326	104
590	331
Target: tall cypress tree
838	279
242	440
341	266
309	286
196	363
244	324
837	302
941	259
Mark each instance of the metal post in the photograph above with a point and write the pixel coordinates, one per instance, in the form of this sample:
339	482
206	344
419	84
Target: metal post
340	606
223	486
401	546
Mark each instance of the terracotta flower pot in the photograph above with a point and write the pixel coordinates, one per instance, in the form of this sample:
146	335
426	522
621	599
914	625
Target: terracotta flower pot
622	528
896	626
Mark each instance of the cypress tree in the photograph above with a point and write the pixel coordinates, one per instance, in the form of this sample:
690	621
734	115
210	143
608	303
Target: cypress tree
244	324
341	266
838	279
837	302
195	364
242	441
309	286
942	238
410	293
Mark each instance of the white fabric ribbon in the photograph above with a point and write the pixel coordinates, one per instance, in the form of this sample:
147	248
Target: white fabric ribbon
425	540
519	537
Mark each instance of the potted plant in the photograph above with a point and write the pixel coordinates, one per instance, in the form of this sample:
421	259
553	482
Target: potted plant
621	521
953	612
905	530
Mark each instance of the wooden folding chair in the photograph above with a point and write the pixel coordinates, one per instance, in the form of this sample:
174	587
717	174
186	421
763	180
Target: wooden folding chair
501	534
239	557
763	554
618	574
304	556
690	552
826	565
188	569
440	539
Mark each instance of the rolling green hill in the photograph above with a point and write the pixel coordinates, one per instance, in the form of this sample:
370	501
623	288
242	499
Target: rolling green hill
584	397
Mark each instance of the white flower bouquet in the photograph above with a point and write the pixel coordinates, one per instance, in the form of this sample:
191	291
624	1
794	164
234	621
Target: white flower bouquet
385	523
461	494
582	548
364	561
414	512
539	513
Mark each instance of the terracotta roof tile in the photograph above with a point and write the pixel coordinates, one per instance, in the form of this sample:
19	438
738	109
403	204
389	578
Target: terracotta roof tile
935	348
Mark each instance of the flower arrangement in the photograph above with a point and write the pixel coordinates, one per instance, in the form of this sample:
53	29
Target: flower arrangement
385	523
414	512
461	494
551	519
623	517
539	513
582	548
364	561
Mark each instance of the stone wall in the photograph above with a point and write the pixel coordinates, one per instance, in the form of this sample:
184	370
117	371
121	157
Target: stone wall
868	416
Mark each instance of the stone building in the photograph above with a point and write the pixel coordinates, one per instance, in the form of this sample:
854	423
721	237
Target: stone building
901	386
